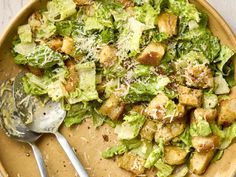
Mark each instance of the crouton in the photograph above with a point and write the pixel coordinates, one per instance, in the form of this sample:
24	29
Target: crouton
200	161
167	132
205	144
132	163
139	109
83	2
68	46
199	76
167	23
73	78
107	56
190	97
152	54
174	155
148	130
227	112
55	44
157	109
113	107
209	115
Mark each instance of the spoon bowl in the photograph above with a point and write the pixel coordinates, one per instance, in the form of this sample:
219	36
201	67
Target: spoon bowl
47	117
11	122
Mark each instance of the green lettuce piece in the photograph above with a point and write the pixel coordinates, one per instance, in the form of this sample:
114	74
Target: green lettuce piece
210	100
142	70
92	23
164	170
124	146
44	57
130	128
217	156
46	30
200	128
113	151
181	172
145	90
56	90
185	137
156	154
34	85
65	28
77	113
25	33
98	119
23	49
221	86
146	14
229	136
225	55
130	38
60	9
143	150
108	35
86	90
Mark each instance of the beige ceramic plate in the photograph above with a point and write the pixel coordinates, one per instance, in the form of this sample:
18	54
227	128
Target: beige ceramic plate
18	159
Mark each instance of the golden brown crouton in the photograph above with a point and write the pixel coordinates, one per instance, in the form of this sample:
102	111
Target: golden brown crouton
174	155
209	115
156	109
132	163
167	23
73	78
35	21
113	107
190	97
227	112
205	144
148	130
55	44
127	3
107	56
139	109
167	132
199	76
68	46
152	54
200	161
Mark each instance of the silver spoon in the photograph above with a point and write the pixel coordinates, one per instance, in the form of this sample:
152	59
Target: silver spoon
11	122
47	118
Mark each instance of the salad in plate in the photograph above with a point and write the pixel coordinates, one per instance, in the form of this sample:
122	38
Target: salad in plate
151	69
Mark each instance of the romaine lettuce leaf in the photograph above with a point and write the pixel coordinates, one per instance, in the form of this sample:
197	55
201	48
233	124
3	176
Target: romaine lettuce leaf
210	100
145	90
225	55
157	153
87	84
60	9
143	150
221	86
65	28
130	128
113	151
46	30
24	49
200	128
164	170
25	33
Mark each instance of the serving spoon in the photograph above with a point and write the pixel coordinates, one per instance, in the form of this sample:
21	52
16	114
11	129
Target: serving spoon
11	122
45	118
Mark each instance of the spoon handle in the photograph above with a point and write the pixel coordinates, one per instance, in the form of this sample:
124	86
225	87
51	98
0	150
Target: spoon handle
39	160
71	155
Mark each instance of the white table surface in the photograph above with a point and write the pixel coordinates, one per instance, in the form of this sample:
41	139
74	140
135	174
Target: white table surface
9	8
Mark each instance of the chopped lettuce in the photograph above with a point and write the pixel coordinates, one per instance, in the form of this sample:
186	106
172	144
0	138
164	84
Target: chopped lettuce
143	150
23	49
221	86
46	30
180	172
156	154
87	84
130	128
217	156
76	114
164	170
60	9
124	146
185	137
225	55
25	33
65	28
200	128
145	90
210	100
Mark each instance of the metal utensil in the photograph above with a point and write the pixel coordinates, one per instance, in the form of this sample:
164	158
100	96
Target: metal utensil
47	118
11	122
